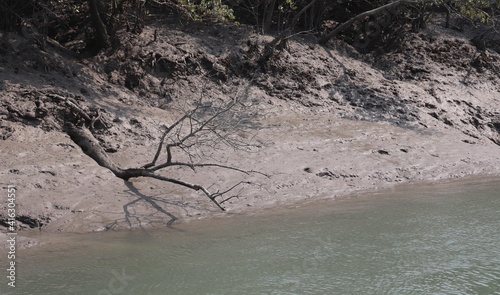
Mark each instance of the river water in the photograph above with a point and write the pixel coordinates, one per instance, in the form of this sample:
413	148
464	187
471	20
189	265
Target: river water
437	239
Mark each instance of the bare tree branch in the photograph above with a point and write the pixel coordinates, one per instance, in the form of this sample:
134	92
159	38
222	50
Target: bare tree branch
201	128
162	140
290	28
377	10
230	189
195	187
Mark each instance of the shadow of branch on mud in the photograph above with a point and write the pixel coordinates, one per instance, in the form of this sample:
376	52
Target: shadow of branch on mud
148	199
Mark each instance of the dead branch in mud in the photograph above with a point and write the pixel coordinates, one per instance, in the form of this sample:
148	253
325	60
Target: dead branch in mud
192	137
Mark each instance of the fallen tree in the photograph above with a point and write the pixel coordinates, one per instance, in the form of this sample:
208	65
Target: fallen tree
205	127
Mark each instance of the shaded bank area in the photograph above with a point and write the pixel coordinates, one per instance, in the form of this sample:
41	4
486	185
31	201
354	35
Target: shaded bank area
328	120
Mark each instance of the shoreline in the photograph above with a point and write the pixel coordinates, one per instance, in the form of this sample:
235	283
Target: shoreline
311	158
33	241
330	122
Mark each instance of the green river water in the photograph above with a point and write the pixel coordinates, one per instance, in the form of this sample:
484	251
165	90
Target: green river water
436	239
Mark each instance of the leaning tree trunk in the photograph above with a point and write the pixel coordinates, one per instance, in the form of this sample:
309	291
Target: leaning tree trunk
91	147
101	35
389	6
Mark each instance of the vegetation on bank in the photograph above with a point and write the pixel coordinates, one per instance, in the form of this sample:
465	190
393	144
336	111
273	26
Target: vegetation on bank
89	26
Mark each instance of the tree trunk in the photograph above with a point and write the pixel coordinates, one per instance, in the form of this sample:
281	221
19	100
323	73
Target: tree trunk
268	16
269	48
91	147
101	35
447	25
